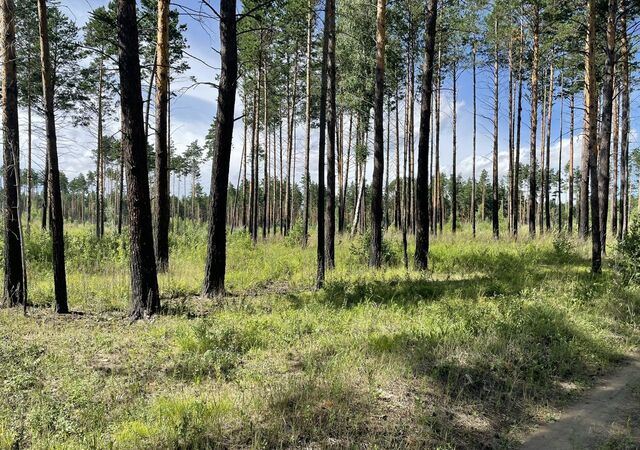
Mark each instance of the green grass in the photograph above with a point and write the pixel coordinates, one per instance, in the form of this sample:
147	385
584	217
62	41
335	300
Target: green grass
466	356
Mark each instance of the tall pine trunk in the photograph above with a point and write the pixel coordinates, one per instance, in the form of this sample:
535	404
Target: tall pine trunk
330	211
216	246
422	183
145	299
375	257
329	18
604	147
495	205
307	142
625	122
162	206
15	276
454	133
534	120
56	219
571	173
591	111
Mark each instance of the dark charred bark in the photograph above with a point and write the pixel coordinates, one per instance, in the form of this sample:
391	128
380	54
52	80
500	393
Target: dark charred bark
422	210
375	257
56	219
216	248
15	276
162	204
145	299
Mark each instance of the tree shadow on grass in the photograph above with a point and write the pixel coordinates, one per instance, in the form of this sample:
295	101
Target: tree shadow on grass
522	362
470	275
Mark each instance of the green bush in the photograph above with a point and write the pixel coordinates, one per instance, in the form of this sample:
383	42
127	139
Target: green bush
360	248
563	245
626	258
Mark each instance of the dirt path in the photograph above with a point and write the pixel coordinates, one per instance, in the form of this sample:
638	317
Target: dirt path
608	416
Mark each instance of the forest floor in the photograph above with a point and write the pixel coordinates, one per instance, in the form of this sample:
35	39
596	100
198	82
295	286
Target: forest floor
498	339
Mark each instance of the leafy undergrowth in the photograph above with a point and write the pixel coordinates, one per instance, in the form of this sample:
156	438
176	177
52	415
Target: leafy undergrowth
494	338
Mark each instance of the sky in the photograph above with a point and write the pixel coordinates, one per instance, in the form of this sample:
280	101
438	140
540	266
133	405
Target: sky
193	109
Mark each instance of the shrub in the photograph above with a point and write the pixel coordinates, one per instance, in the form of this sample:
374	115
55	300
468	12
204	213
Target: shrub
626	258
360	247
296	235
562	245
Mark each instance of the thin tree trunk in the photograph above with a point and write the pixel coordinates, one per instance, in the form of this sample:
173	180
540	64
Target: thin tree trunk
290	143
330	213
454	133
511	177
475	132
616	142
534	122
516	164
625	125
571	174
307	144
547	175
494	208
560	152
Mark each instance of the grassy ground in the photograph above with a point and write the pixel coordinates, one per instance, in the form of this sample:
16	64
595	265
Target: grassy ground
495	338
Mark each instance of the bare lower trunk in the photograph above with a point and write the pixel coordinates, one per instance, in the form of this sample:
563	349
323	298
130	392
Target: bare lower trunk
56	219
144	283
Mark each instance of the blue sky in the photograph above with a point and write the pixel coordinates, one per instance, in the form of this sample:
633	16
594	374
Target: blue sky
194	108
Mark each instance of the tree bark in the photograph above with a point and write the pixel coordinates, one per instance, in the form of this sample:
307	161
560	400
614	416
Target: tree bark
145	299
454	133
475	132
571	174
330	213
604	147
516	163
625	125
15	276
307	142
422	210
495	205
162	206
329	23
56	219
534	121
591	113
375	257
216	247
